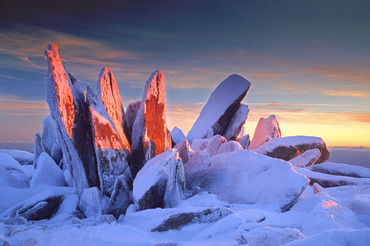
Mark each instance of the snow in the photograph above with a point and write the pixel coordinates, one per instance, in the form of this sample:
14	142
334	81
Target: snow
233	88
307	158
177	135
237	122
91	202
185	151
266	129
210	145
230	146
10	164
23	157
341	169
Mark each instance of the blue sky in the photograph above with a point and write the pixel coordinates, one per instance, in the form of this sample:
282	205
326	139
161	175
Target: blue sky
308	61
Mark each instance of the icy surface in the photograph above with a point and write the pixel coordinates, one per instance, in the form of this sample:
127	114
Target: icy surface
225	98
266	129
230	146
184	149
341	169
177	135
210	145
306	159
23	157
237	122
10	164
91	202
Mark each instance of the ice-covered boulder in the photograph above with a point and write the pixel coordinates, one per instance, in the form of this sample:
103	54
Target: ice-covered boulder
149	132
69	111
47	173
160	183
130	117
184	149
111	154
8	180
121	197
287	148
247	177
237	122
91	202
341	169
10	164
244	141
109	95
177	135
196	168
220	108
210	145
266	129
306	159
230	146
21	156
268	236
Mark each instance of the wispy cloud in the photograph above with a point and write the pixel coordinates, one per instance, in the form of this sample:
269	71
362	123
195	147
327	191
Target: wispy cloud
13	105
347	93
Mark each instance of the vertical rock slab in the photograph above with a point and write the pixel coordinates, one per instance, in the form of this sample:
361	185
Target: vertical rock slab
70	131
237	122
149	132
131	112
37	149
121	197
111	154
266	129
220	108
109	95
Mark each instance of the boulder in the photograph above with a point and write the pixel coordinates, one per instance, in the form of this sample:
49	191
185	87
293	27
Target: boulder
287	148
237	122
91	202
341	170
244	141
47	173
306	159
196	168
230	146
149	132
160	183
177	135
121	197
109	95
185	151
266	129
130	117
210	145
247	177
220	108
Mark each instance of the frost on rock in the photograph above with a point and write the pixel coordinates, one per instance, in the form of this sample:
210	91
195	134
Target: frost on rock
91	202
196	168
287	148
109	95
244	141
70	112
230	146
49	139
237	122
130	117
247	177
177	135
160	182
111	154
266	130
220	108
47	173
306	159
149	133
210	145
268	236
341	169
121	197
37	149
185	151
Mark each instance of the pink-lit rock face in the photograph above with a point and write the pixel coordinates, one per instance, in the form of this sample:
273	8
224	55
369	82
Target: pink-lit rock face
109	95
267	128
60	87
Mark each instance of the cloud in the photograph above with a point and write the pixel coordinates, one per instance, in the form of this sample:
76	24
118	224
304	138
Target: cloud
13	105
347	93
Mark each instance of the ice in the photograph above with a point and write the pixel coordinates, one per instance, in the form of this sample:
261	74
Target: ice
307	158
177	135
10	164
237	122
341	169
91	202
23	157
184	149
268	236
266	129
210	145
230	146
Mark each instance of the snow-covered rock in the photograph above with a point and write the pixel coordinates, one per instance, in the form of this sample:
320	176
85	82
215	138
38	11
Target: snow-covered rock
10	164
130	117
244	141
196	168
108	93
341	169
287	148
237	122
21	156
177	135
230	146
306	159
121	197
185	151
49	140
220	108
8	180
247	177
91	202
269	236
160	183
37	149
266	129
47	173
149	133
111	154
210	145
197	216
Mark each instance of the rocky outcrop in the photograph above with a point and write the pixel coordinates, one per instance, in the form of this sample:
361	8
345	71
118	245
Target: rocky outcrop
149	133
121	197
266	129
220	108
287	148
237	122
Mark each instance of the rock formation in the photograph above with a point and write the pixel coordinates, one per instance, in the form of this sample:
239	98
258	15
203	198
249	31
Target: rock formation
237	122
266	129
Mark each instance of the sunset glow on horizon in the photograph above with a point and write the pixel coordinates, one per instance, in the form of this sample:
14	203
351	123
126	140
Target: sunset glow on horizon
308	61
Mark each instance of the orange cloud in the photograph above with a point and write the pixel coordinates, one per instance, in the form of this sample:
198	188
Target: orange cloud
12	105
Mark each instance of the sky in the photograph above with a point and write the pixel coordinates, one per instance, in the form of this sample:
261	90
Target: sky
308	61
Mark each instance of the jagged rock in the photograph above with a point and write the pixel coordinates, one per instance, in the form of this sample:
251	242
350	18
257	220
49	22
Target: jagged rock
244	141
230	146
177	135
220	108
131	112
47	173
179	220
111	154
287	148
22	157
210	145
37	149
247	177
307	158
69	111
160	183
266	129
237	122
185	151
195	168
91	202
149	133
121	197
109	95
341	169
41	206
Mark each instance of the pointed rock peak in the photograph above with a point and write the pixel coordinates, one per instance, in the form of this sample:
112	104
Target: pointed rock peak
155	87
109	94
266	129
